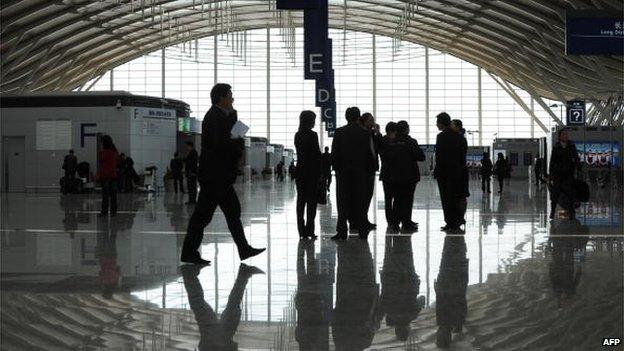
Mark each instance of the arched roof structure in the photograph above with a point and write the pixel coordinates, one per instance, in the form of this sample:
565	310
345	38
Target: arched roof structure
61	44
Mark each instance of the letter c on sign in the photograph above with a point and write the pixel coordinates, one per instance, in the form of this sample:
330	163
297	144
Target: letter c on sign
326	113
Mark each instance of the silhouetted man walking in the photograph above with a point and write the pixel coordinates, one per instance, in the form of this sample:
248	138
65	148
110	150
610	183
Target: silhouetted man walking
217	172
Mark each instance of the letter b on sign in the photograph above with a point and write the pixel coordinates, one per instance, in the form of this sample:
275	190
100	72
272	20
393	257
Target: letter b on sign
611	341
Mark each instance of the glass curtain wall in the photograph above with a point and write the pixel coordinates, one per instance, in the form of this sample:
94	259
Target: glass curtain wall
270	93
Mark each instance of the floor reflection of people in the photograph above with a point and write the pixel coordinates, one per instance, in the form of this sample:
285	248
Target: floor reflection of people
450	287
178	215
400	285
567	239
486	213
216	334
501	213
106	251
353	322
73	208
312	331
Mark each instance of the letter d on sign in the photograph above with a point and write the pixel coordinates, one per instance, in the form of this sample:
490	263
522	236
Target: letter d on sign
323	95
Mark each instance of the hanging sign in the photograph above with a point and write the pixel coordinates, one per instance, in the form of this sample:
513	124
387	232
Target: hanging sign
575	113
317	48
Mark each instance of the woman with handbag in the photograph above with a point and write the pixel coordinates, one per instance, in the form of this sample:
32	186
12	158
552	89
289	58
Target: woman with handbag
308	173
108	159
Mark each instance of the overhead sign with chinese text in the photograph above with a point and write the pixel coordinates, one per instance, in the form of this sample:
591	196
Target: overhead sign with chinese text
591	32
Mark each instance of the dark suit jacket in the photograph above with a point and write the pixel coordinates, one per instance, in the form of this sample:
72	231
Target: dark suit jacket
326	161
308	154
449	161
400	160
486	167
190	163
70	163
351	149
176	166
220	153
564	161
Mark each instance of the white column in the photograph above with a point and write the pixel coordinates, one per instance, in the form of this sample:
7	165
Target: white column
375	75
112	84
162	73
480	108
531	119
214	70
427	133
268	87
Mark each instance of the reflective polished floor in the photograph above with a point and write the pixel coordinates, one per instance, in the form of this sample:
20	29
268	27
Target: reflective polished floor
514	281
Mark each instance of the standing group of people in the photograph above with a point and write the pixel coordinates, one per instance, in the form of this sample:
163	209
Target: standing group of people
501	169
356	150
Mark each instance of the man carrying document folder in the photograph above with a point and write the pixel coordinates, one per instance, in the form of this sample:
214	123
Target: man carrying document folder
221	149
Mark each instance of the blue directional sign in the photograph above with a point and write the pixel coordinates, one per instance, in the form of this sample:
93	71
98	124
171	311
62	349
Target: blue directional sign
575	113
594	32
317	47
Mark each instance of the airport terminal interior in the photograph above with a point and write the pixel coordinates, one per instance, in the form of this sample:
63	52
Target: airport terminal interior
536	262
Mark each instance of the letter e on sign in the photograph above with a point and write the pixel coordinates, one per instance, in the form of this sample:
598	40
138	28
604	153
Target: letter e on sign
314	62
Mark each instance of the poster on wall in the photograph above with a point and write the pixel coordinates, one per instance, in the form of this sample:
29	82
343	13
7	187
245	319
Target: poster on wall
598	154
53	135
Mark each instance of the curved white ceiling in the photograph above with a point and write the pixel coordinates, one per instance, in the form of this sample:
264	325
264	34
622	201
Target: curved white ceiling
59	45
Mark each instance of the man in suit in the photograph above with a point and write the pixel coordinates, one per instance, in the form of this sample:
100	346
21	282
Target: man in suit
70	164
387	175
410	172
368	123
190	163
217	172
447	171
351	155
176	165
